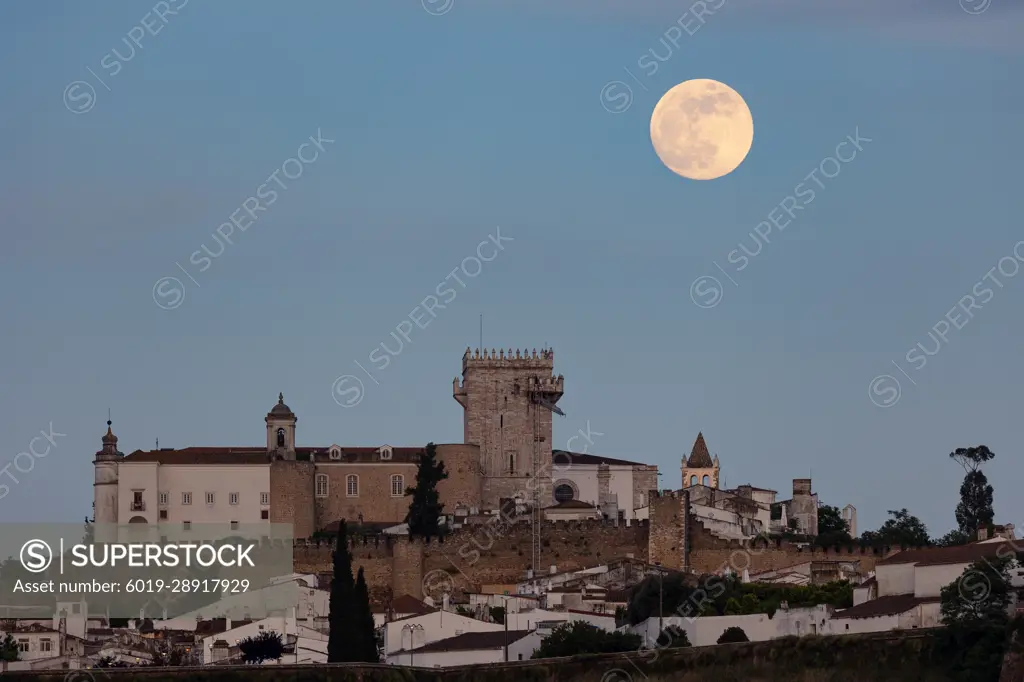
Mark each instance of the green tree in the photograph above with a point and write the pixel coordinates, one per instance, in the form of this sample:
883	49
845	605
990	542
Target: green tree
671	591
266	646
952	538
340	645
8	648
365	632
975	508
980	595
498	614
903	529
579	637
424	516
832	527
673	637
733	634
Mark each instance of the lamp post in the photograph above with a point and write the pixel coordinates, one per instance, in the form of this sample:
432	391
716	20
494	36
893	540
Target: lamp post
412	638
505	598
661	598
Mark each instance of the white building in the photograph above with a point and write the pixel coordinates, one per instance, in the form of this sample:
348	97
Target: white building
904	594
466	649
613	486
413	632
543	618
759	627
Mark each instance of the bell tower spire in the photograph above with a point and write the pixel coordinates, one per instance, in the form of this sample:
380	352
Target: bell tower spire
105	486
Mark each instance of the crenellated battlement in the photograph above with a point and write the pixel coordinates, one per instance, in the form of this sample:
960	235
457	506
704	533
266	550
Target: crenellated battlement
517	358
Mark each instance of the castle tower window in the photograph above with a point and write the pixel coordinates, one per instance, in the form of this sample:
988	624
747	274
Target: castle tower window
280	438
693	480
322	485
352	485
707	480
397	485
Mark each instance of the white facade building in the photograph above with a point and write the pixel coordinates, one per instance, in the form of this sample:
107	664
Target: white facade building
904	594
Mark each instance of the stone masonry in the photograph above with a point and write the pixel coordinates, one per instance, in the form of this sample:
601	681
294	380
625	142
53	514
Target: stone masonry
504	397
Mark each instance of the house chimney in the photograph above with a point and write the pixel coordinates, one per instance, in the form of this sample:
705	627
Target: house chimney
982	533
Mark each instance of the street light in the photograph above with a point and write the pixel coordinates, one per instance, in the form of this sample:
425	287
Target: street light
412	638
506	598
661	598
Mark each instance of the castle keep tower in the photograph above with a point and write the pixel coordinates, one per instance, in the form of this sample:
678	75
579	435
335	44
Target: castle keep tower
506	401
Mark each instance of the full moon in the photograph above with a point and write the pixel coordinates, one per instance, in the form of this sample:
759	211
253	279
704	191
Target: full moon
702	129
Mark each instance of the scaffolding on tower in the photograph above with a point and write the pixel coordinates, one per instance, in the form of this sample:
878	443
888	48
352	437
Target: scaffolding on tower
539	396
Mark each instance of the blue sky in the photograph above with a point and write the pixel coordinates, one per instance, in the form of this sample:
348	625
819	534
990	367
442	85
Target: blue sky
446	127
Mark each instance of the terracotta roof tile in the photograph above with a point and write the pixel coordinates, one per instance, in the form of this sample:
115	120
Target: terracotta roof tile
258	455
475	640
565	457
885	606
960	554
572	504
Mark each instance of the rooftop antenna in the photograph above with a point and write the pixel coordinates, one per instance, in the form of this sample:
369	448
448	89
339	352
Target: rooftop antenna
157	443
481	331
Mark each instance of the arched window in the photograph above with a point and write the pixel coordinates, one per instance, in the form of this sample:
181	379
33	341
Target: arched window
707	480
280	438
397	485
352	485
322	485
693	480
564	493
511	464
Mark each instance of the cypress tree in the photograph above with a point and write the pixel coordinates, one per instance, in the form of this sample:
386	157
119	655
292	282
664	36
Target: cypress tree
366	633
340	647
424	514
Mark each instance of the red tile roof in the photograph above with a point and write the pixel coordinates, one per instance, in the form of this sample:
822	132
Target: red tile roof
407	606
572	504
258	455
565	457
960	554
475	640
885	606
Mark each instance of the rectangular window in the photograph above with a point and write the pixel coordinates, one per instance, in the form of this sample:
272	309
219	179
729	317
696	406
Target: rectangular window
397	485
234	525
209	498
264	514
45	645
321	485
352	486
264	499
163	499
23	645
186	498
186	525
163	514
233	498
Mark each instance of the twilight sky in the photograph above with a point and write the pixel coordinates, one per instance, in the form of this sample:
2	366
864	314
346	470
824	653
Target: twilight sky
438	123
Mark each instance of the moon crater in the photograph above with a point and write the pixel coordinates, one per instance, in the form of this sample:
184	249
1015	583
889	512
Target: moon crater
702	129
